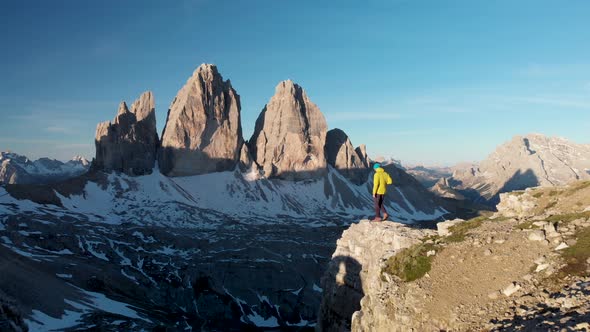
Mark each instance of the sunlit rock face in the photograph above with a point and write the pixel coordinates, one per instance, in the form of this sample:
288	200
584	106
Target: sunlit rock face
290	135
203	133
523	162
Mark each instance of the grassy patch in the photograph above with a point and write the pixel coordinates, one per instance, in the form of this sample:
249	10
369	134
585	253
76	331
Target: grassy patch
500	219
577	187
517	193
410	263
568	217
576	255
460	230
526	225
553	193
538	195
551	204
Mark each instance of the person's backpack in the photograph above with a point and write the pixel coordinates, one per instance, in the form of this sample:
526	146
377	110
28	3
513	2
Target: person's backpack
388	180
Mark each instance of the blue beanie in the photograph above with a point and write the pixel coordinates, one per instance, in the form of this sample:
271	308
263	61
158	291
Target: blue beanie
377	165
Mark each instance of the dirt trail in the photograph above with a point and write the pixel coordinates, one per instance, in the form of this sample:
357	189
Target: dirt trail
467	276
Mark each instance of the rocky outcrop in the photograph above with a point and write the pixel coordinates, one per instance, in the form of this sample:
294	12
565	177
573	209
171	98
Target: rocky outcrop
361	150
17	169
341	155
355	269
525	161
522	268
442	188
429	176
129	143
290	135
203	132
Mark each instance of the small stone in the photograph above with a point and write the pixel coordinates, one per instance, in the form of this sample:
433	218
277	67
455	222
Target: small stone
511	289
499	241
528	277
488	252
561	246
536	235
541	267
493	295
540	260
489	240
430	253
583	326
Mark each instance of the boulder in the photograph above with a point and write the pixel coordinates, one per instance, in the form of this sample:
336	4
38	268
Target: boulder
203	132
443	227
341	155
290	135
129	143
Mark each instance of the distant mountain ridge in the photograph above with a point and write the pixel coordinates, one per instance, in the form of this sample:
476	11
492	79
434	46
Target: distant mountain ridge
525	161
18	169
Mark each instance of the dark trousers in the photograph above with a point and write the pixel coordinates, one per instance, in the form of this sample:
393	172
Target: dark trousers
379	207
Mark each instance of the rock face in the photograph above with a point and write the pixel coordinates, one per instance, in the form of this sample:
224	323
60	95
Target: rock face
361	150
354	271
429	176
442	188
525	161
129	143
203	132
17	169
341	155
290	135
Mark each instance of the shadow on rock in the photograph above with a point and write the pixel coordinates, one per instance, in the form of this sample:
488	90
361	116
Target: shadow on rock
343	291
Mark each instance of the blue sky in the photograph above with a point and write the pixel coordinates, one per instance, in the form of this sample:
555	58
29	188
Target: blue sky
421	81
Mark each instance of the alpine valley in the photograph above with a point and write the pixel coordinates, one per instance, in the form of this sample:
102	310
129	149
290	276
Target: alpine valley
196	228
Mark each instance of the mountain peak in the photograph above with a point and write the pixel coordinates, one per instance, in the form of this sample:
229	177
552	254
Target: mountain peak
203	131
290	134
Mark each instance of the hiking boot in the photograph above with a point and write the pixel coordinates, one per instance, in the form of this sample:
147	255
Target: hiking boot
377	219
385	216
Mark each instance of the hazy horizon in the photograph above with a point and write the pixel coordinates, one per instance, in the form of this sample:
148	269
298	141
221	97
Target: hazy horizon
421	82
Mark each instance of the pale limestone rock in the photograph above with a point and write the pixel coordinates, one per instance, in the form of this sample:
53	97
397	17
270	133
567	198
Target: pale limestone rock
511	289
443	227
517	206
341	155
561	246
290	135
541	267
354	273
203	133
129	143
537	235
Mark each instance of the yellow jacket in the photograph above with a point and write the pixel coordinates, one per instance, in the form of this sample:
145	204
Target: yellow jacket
380	181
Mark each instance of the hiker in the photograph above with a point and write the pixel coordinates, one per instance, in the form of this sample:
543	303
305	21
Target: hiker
380	182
